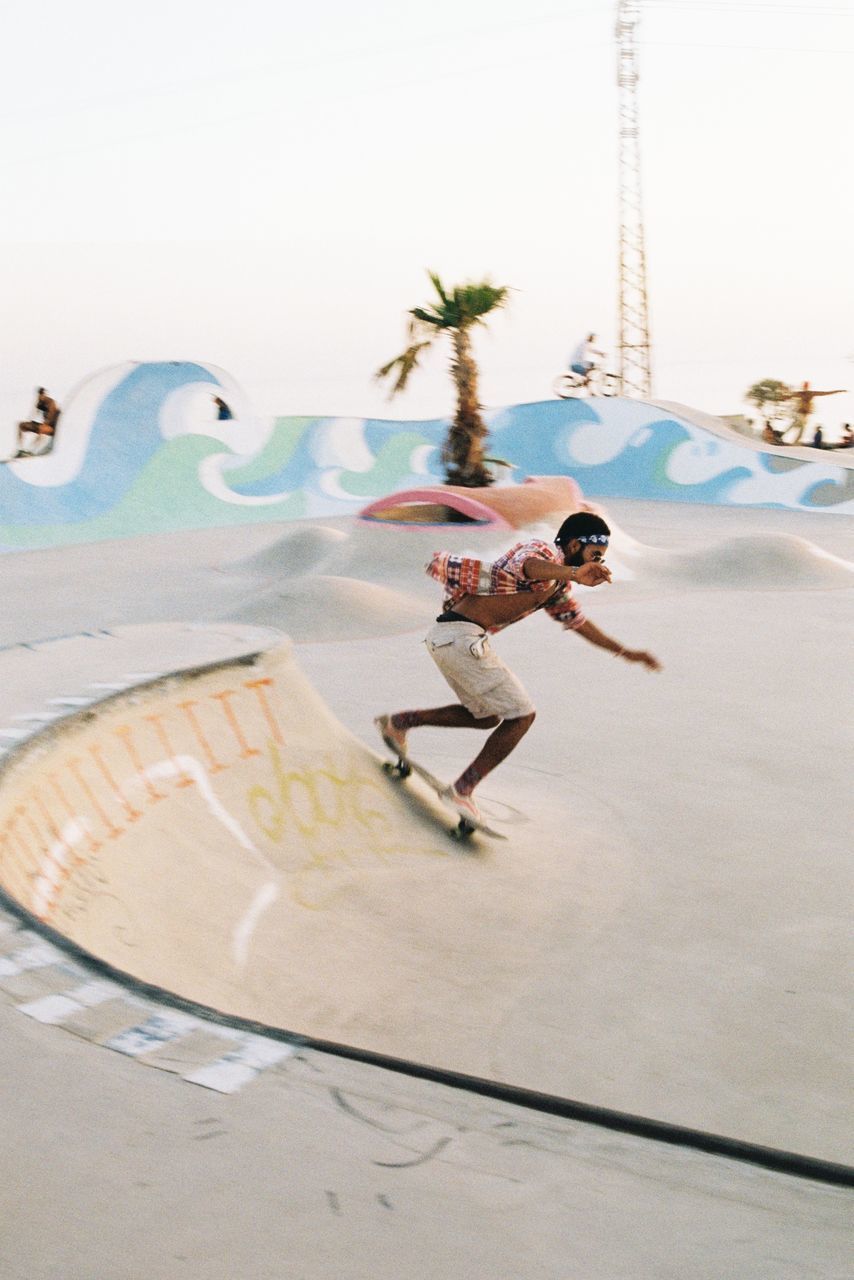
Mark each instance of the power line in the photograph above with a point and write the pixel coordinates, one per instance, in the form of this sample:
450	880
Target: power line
753	48
754	6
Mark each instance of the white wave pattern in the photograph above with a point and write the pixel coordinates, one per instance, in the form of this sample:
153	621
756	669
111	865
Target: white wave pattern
340	443
329	484
213	481
789	488
594	443
420	459
699	460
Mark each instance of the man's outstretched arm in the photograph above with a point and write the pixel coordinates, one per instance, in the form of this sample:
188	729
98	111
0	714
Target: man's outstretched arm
592	633
589	575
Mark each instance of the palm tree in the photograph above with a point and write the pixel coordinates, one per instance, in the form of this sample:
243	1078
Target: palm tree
769	392
455	313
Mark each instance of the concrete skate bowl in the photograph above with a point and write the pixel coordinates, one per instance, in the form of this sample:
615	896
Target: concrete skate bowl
219	839
219	836
139	450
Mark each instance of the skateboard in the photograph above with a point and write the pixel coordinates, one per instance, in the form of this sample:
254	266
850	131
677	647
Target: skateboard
465	827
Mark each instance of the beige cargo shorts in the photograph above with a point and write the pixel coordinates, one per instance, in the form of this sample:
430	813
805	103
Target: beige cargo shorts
483	683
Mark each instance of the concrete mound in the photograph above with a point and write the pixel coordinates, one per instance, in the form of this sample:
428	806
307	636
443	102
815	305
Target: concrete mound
320	607
772	562
297	552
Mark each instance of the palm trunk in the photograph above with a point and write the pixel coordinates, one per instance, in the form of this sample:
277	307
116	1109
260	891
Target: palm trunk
463	452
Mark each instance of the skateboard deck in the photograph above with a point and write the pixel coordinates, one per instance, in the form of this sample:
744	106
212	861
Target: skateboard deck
465	826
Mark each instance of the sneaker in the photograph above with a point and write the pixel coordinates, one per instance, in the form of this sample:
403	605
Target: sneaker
395	739
464	805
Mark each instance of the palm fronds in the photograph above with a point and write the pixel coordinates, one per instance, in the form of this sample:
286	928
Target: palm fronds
404	364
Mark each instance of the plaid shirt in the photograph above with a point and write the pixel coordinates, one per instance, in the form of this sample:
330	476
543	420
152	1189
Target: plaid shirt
464	576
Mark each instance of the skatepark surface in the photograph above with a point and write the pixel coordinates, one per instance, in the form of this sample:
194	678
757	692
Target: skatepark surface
207	874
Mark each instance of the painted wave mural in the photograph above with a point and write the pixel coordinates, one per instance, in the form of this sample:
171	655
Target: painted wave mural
140	449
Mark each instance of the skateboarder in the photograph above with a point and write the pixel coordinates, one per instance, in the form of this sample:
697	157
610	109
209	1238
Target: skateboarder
484	598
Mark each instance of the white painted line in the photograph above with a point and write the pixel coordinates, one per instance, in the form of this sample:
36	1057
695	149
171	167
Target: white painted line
227	1033
258	1052
151	1034
246	926
38	955
38	717
50	1009
241	1065
54	863
223	1076
95	992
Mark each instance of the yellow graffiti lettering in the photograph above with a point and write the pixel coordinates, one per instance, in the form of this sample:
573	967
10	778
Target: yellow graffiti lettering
311	798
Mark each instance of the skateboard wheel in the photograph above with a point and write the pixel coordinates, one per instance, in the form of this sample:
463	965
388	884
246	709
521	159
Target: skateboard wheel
399	770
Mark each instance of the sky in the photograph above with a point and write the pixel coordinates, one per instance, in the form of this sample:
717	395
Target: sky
264	186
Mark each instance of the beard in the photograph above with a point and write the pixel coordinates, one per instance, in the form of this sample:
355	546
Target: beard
574	561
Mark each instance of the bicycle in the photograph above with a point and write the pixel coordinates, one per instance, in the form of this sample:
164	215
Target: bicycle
596	383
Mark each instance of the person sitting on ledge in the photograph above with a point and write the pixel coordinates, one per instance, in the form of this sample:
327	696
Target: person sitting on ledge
43	431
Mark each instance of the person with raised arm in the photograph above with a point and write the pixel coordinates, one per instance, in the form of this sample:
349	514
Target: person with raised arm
802	408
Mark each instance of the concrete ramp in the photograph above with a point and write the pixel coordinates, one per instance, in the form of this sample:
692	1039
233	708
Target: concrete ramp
305	604
745	436
220	835
139	450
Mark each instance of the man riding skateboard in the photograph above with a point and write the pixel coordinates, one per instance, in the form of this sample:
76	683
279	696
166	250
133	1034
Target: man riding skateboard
483	598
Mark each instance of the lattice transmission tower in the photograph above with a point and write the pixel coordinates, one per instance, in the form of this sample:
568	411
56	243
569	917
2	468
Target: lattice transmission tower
634	346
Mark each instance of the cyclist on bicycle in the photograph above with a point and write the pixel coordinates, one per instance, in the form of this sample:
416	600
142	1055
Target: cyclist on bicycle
584	360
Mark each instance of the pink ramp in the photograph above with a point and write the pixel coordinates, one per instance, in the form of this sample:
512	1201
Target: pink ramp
501	507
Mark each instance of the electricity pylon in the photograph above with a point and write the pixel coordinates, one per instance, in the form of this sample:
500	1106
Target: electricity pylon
635	366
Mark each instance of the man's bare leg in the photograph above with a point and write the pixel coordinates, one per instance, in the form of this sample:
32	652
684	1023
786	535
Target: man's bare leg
453	717
506	735
394	728
497	747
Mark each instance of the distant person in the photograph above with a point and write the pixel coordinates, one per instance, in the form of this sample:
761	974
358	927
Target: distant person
481	598
223	413
769	435
586	357
818	438
41	434
847	438
803	406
